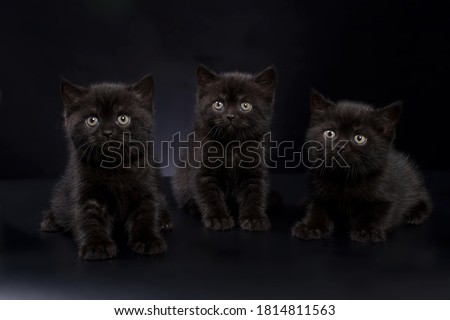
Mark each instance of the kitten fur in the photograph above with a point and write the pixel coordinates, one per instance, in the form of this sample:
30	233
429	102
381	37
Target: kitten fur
94	203
378	191
219	192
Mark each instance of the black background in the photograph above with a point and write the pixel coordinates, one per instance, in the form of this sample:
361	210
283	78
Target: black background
373	51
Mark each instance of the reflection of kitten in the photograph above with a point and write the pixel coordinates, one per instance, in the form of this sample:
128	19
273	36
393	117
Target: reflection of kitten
90	200
230	107
378	190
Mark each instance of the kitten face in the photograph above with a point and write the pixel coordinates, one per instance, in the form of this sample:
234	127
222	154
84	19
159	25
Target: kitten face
235	105
368	133
104	112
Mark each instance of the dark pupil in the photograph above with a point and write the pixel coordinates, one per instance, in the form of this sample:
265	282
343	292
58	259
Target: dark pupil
359	138
92	120
329	133
122	118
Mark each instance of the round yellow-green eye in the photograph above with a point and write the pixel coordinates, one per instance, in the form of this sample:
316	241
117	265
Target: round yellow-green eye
246	106
91	121
329	134
360	139
123	120
218	105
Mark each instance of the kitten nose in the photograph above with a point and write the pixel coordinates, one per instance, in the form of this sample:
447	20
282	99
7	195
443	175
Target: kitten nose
230	117
107	133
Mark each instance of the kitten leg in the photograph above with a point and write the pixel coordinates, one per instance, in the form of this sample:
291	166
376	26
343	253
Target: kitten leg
317	224
419	212
252	200
165	221
143	230
182	191
49	223
368	224
93	232
211	203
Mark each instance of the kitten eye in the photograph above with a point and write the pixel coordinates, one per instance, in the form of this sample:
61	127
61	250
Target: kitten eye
123	120
246	106
218	105
329	134
91	121
360	139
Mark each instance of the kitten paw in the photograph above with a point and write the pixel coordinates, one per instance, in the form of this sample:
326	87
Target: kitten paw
305	231
258	223
418	214
166	221
98	251
368	236
49	224
415	220
148	246
219	224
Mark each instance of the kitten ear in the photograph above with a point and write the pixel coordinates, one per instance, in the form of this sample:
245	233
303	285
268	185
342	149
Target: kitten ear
144	88
319	104
205	76
389	117
266	80
71	93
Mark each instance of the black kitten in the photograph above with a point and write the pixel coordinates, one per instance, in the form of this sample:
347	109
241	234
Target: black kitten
225	171
111	182
364	186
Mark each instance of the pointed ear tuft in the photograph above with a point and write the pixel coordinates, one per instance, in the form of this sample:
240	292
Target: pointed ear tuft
205	76
389	117
144	88
267	80
319	104
71	93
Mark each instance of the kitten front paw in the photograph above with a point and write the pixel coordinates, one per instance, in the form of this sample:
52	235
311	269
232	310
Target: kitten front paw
368	235
257	223
306	231
148	246
100	250
219	223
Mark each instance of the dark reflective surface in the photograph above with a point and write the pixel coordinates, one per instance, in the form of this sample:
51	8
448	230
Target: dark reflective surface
200	264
